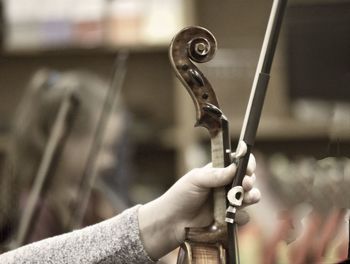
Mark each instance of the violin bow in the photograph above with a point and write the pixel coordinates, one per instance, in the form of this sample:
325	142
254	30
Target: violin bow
90	171
53	149
218	242
252	117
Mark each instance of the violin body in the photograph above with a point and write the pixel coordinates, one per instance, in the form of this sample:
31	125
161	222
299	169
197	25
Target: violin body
196	253
204	245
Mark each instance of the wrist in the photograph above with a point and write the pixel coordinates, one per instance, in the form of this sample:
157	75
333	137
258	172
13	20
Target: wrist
159	229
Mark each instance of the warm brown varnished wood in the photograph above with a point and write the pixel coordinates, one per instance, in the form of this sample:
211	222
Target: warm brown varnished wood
196	44
199	253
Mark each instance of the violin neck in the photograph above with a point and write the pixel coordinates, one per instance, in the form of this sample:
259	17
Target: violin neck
220	158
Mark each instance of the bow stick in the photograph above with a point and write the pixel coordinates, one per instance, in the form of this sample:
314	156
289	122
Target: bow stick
253	113
90	171
54	146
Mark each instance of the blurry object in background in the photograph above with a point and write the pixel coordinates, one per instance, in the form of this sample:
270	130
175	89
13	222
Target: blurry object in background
30	134
43	24
2	25
88	22
302	179
302	216
133	22
316	110
291	180
323	185
331	185
22	30
36	24
90	172
318	41
321	238
230	72
339	128
124	21
2	30
163	19
63	121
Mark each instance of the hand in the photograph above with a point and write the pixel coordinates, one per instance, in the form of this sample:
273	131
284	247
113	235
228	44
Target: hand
186	204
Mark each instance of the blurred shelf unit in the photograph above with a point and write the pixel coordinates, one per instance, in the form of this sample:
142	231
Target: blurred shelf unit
79	50
96	29
278	129
291	128
57	24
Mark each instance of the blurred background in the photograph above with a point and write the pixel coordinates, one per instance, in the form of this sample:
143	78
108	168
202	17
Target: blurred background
58	59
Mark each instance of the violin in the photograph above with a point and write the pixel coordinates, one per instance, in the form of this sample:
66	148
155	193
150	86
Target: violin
218	242
196	44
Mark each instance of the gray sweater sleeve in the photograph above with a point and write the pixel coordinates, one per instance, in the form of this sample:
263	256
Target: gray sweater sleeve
116	240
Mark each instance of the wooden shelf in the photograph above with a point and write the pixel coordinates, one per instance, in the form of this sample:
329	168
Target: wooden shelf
80	50
289	128
275	129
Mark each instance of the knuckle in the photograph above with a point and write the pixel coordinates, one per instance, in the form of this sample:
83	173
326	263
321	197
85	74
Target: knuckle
194	173
218	175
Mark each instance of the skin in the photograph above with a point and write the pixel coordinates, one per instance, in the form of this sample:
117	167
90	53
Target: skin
186	204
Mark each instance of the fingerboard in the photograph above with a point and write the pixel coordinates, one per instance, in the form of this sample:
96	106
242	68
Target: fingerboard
218	160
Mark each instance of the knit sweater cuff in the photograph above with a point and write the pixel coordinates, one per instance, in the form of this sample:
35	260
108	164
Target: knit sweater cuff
126	228
116	240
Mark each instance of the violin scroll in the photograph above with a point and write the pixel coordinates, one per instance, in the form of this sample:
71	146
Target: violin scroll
202	49
196	44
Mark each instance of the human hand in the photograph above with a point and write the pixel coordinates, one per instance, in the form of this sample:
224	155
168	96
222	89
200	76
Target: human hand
187	204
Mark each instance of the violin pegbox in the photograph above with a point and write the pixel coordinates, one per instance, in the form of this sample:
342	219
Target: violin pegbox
196	45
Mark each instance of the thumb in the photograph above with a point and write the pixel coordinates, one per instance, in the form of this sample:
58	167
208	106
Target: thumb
209	177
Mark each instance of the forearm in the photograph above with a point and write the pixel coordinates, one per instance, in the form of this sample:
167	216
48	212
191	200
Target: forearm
116	240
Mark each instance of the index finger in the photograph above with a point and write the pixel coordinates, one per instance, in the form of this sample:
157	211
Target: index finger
251	164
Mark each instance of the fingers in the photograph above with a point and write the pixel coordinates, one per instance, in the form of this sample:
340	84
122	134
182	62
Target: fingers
251	165
248	182
208	177
242	217
251	197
